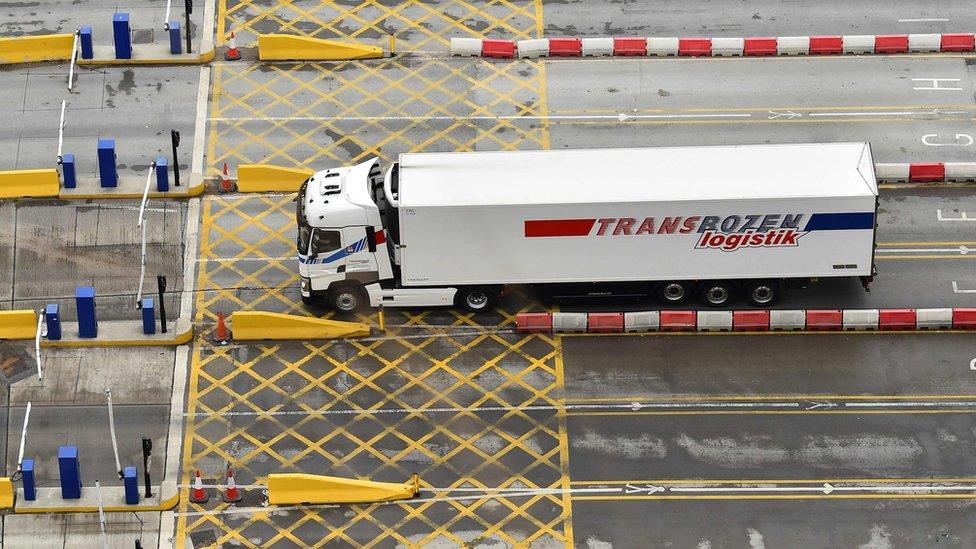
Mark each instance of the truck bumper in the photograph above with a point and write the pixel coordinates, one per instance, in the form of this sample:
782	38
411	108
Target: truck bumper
306	287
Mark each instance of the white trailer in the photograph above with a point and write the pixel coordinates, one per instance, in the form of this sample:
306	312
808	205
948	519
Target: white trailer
455	228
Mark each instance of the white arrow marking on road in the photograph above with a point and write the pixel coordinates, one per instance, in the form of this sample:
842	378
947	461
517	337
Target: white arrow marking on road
647	488
789	115
818	405
972	364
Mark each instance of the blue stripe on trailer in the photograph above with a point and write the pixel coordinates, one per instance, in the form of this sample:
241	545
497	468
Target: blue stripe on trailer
840	221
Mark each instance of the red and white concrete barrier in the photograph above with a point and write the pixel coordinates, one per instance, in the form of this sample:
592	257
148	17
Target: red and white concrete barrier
753	320
925	172
855	44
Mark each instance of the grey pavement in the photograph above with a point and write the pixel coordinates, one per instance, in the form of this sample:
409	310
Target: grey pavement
80	531
136	106
51	17
757	18
655	102
69	408
56	246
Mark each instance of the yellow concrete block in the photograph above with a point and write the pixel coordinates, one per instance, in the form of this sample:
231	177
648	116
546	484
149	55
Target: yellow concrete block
24	183
298	488
257	178
20	324
30	49
6	493
284	47
258	325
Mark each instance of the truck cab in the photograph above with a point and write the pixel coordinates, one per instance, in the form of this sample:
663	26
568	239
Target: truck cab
342	243
349	242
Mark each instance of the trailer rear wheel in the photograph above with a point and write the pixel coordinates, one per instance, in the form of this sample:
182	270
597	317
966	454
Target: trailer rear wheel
475	299
674	292
717	294
763	293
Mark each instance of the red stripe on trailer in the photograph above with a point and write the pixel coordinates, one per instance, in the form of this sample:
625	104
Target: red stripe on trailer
695	47
566	47
630	46
759	46
825	319
558	227
533	322
678	321
604	323
891	43
926	171
826	45
963	318
896	319
502	49
958	42
750	321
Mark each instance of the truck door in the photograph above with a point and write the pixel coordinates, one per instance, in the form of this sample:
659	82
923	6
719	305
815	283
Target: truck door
360	261
325	258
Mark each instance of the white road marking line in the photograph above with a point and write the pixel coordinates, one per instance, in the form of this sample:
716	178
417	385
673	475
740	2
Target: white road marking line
966	137
935	84
901	404
956	290
962	217
963	250
244	259
828	488
924	20
889	113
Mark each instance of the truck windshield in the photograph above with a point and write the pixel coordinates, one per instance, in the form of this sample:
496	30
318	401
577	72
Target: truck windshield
304	230
304	234
325	241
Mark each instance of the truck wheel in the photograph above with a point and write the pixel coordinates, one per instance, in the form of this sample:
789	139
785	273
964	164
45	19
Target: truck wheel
347	299
475	299
673	293
762	293
717	294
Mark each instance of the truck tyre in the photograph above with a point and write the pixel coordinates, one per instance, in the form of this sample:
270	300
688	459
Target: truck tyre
717	294
762	293
347	299
674	292
475	299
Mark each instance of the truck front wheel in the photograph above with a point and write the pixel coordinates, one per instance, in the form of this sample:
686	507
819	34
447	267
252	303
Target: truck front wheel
347	299
475	299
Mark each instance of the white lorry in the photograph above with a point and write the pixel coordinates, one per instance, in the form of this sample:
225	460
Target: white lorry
718	221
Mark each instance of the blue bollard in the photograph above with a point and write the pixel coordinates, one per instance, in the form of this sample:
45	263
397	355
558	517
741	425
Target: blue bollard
27	479
68	171
85	303
148	316
123	36
53	319
70	472
162	174
108	174
131	484
87	52
175	44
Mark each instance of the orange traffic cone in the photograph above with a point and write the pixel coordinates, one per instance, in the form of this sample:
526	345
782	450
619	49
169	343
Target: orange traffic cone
222	334
232	494
198	494
232	54
226	185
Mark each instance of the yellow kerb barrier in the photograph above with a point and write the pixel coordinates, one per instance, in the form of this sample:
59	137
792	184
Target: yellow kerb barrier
257	178
31	49
257	325
298	488
29	183
20	324
6	493
284	47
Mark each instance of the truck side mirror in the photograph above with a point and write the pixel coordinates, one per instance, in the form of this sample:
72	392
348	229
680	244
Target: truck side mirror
371	238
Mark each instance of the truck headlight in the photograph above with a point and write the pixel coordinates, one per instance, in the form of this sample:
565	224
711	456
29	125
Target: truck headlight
306	284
